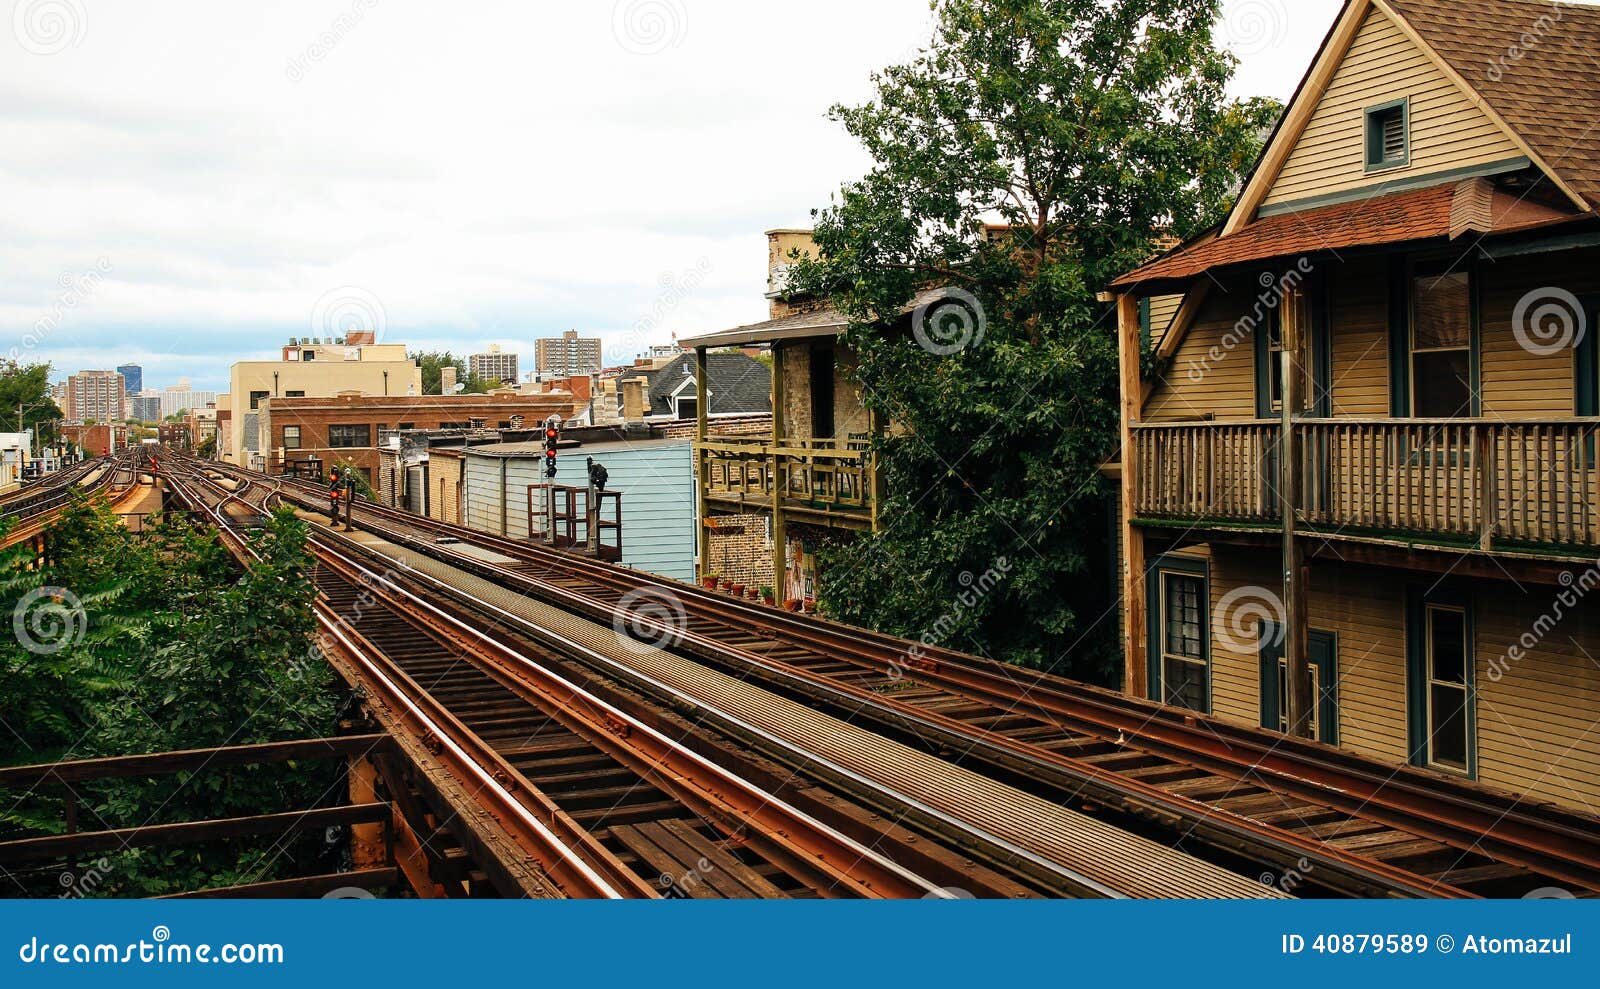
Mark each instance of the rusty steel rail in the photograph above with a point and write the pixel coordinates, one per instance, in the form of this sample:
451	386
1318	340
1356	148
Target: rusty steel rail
1541	838
563	850
841	860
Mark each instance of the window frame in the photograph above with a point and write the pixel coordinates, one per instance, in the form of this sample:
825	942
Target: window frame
298	439
1402	333
335	438
1421	606
1155	606
256	397
1273	681
1370	116
1586	362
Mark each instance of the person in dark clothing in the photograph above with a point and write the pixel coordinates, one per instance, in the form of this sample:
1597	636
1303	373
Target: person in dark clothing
597	475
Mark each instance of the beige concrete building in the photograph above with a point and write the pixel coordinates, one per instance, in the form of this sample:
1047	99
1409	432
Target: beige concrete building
95	396
314	368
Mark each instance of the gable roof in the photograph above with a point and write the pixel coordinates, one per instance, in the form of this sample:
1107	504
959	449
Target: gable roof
1525	63
736	383
1534	63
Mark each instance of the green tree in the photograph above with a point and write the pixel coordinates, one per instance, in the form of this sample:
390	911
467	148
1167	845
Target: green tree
1035	150
26	386
433	362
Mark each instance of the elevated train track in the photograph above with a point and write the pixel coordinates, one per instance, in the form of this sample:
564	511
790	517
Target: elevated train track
1252	800
806	824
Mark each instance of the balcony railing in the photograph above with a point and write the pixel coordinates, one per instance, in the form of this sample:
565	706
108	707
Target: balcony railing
828	476
1499	485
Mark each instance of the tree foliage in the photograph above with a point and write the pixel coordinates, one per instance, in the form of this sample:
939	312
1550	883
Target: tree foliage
25	386
434	361
155	642
1035	150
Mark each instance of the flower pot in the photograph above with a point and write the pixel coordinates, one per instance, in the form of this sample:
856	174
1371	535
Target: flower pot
738	590
727	585
793	604
752	594
768	600
709	583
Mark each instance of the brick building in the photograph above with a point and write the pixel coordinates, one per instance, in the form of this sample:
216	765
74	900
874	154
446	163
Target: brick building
350	427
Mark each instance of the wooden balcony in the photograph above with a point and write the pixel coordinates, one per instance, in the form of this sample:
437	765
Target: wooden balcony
1523	486
826	482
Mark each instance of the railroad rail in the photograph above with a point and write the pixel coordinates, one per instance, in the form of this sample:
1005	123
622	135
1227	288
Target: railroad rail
824	847
29	511
1357	826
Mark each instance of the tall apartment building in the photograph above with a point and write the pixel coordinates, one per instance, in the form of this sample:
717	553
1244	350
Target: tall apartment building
567	355
181	398
132	378
96	395
494	365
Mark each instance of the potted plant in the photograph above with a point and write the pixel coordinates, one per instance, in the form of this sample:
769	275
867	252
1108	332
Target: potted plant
727	585
751	593
793	604
767	596
709	581
738	590
811	607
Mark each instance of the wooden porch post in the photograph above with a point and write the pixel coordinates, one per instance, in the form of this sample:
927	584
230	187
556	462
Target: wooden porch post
701	479
1135	680
780	481
1296	574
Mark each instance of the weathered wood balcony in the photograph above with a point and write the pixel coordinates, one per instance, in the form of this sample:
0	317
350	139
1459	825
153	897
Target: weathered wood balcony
1525	485
828	481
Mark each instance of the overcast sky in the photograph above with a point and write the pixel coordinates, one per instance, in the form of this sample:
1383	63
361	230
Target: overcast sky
187	183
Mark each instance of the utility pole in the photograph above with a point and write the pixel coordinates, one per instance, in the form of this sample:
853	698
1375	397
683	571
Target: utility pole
1296	575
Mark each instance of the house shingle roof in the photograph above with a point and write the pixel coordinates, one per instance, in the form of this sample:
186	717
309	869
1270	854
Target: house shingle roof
1438	211
736	383
1536	64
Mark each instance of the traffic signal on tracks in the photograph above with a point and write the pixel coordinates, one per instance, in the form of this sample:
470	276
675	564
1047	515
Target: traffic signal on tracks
552	434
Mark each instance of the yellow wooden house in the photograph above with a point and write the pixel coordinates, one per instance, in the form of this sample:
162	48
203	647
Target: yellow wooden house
1360	494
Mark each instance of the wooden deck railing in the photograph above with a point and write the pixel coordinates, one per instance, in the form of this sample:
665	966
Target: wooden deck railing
831	474
1495	484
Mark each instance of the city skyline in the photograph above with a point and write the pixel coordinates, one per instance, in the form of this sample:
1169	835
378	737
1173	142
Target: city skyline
188	270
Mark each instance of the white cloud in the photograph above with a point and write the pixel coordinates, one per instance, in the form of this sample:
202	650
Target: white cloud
492	171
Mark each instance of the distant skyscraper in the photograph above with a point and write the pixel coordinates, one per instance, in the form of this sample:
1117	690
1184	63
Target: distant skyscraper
567	355
494	365
132	379
145	408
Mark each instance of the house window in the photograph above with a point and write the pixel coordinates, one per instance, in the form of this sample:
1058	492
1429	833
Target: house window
349	435
1441	343
1388	135
256	397
1587	371
1440	687
294	394
308	355
686	408
1183	641
291	437
1274	369
1321	663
